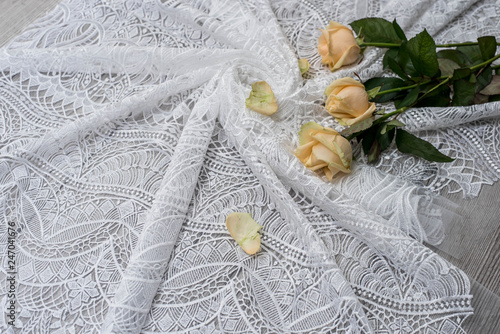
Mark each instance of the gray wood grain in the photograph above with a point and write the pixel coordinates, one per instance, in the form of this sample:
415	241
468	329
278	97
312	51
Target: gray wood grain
473	245
17	15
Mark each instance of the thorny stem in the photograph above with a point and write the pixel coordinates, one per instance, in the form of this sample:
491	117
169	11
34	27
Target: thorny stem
397	45
446	78
395	112
399	89
486	63
402	110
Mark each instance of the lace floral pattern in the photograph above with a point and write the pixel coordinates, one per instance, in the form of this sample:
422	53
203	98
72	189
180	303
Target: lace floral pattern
124	144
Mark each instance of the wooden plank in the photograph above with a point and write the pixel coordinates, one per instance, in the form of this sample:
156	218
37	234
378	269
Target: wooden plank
476	241
16	15
474	246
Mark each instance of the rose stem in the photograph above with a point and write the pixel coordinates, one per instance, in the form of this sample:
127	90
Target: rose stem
397	45
473	68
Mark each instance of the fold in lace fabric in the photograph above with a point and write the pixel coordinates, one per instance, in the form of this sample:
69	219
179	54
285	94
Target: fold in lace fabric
125	143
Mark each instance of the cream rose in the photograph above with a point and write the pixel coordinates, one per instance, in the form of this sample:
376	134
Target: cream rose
348	101
324	149
337	46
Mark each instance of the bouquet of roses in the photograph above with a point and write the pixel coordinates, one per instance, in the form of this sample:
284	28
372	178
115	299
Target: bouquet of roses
424	75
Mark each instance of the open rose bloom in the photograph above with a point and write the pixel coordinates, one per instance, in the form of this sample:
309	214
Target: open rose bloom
337	46
348	101
324	149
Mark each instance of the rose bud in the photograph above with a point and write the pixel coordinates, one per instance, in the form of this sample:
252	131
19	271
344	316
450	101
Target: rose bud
337	46
348	101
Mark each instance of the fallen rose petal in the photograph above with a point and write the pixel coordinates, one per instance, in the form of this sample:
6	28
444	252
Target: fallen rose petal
245	231
262	99
303	65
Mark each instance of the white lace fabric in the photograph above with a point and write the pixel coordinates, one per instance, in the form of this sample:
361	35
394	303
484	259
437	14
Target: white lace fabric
125	143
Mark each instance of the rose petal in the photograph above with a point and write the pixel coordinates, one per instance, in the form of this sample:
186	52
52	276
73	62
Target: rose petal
338	107
303	65
341	83
304	151
355	97
323	154
336	168
306	132
326	139
367	114
344	151
245	231
331	171
348	57
323	42
262	99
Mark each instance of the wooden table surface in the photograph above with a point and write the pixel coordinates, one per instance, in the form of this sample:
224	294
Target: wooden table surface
473	245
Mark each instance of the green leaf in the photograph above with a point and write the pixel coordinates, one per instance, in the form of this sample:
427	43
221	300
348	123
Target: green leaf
487	47
473	54
408	143
384	84
376	30
461	73
391	53
395	123
368	138
375	140
399	31
374	151
358	127
390	125
396	68
493	87
405	61
464	87
463	93
383	128
447	66
398	61
409	99
455	56
422	51
480	98
385	139
484	78
372	93
494	98
439	97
